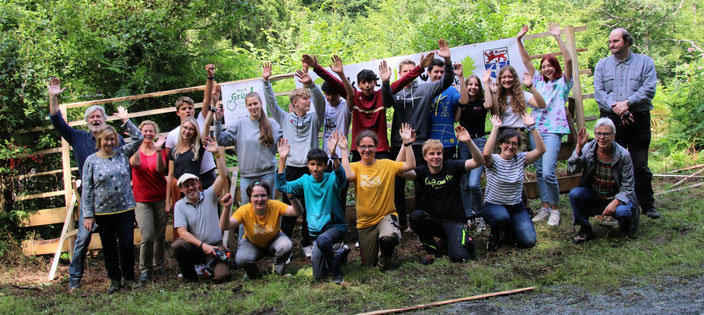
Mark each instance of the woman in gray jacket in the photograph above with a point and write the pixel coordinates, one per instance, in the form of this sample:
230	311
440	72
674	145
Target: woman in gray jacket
606	187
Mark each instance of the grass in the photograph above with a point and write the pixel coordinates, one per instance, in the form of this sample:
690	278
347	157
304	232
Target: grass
669	246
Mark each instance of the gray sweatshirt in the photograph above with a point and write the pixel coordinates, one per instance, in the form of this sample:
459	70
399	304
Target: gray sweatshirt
253	157
301	132
412	105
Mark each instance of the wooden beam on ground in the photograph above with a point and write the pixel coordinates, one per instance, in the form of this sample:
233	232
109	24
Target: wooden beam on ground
678	189
565	183
686	168
429	305
686	178
44	217
547	34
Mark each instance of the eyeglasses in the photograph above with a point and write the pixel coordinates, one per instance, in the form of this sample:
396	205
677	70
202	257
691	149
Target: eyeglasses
367	147
259	197
509	143
602	134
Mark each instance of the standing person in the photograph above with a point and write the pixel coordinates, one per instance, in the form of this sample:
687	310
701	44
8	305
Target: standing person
446	108
413	105
551	121
473	118
107	200
149	188
377	220
185	108
83	144
503	208
301	128
196	221
512	101
606	187
442	214
261	218
326	218
624	87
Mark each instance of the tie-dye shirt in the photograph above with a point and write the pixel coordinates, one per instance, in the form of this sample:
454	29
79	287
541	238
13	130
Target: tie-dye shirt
552	118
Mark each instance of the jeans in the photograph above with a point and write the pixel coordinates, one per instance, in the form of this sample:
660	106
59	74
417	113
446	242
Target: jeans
152	221
117	235
545	168
516	217
247	254
289	223
244	183
585	203
324	258
80	249
470	184
427	227
188	255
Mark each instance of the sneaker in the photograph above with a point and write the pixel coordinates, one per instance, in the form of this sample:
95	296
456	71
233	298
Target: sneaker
384	263
543	214
308	251
73	285
338	279
554	218
344	252
585	234
428	259
115	286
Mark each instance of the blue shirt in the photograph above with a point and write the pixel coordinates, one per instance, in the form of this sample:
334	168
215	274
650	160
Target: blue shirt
442	117
633	79
323	204
82	141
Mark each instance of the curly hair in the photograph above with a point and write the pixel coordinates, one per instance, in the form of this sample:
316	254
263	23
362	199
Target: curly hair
518	103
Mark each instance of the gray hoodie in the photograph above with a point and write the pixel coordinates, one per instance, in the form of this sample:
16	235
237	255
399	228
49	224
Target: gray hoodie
412	105
301	132
253	157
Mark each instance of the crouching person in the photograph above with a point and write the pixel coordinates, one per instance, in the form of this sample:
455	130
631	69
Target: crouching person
261	218
606	187
196	220
443	214
325	216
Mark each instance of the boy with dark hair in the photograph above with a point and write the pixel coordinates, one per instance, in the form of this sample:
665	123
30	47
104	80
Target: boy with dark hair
325	216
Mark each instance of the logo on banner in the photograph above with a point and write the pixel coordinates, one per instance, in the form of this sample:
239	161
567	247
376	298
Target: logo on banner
495	59
238	97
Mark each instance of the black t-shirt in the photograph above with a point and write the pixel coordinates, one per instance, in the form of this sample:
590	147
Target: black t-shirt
473	116
442	190
184	163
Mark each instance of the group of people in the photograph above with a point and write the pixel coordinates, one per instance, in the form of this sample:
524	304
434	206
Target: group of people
153	175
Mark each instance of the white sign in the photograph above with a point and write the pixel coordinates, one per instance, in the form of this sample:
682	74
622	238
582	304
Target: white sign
233	98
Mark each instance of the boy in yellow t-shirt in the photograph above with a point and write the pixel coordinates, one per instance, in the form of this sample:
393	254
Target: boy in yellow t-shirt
377	221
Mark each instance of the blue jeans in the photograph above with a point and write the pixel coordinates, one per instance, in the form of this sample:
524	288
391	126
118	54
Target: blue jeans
244	183
470	184
585	204
80	248
323	258
545	168
516	217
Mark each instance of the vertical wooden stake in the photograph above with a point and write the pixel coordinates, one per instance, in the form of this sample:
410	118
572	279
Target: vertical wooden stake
66	165
571	42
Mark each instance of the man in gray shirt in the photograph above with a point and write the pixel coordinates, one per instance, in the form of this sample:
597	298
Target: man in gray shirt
624	86
198	225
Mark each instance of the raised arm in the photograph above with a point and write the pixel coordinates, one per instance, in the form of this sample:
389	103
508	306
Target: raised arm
316	94
413	74
537	101
554	30
227	222
336	84
489	146
169	185
477	156
207	93
407	137
464	95
575	163
271	104
214	98
489	93
536	153
338	68
448	76
345	158
222	181
54	91
524	53
332	144
130	148
160	163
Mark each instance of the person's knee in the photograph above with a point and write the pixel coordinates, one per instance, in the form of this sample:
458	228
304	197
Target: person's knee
577	194
527	241
221	273
283	246
388	241
244	258
418	216
179	247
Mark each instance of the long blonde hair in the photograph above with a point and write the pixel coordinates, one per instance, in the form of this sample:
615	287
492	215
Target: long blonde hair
194	143
518	103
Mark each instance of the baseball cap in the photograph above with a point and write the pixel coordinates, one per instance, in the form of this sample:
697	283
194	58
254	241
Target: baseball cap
186	177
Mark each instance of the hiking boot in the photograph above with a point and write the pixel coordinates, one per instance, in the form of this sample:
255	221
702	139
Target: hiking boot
428	259
338	278
115	286
384	263
543	213
585	234
651	213
554	217
73	285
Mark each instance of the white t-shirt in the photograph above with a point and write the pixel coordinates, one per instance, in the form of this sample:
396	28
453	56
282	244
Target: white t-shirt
336	118
511	119
208	162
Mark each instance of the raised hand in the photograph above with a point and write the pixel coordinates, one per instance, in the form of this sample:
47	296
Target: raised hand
210	70
122	114
427	59
55	87
522	32
462	134
219	115
303	76
444	50
216	94
495	121
554	29
342	142
266	71
311	61
384	71
582	137
160	142
210	145
227	200
486	77
528	120
458	69
527	79
283	148
406	133
494	87
336	65
332	141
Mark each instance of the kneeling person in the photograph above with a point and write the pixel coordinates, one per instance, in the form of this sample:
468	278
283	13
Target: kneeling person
326	218
261	218
607	186
443	214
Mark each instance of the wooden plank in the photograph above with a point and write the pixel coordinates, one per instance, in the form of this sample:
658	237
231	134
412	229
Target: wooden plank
40	152
18	177
590	95
42	195
585	71
62	239
66	164
540	56
547	34
571	42
44	217
565	183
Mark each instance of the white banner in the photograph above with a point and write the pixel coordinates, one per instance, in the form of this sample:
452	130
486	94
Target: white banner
233	98
475	59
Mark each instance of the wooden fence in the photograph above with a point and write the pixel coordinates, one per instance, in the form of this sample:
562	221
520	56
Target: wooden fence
66	214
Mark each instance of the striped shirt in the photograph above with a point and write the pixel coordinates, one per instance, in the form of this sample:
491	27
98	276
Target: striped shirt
504	180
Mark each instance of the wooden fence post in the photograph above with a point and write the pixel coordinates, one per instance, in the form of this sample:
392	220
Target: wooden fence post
571	42
68	191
